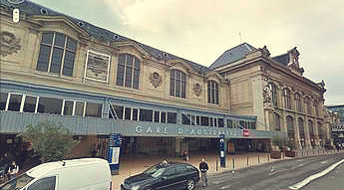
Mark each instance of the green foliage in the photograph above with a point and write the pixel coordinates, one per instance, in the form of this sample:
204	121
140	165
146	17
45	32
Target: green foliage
49	140
292	144
279	141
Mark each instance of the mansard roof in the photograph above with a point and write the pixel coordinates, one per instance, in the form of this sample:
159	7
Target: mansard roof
284	59
234	54
31	8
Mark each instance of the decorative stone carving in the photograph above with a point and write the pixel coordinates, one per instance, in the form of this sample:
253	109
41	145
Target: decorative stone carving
155	79
267	95
265	51
197	88
8	44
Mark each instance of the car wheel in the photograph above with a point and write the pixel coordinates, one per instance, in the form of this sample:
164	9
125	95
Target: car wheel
190	184
149	188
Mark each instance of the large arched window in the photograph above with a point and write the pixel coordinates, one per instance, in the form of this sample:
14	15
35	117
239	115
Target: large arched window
273	88
290	127
277	119
213	92
128	71
308	105
311	132
320	134
316	108
301	131
298	102
57	54
178	83
287	99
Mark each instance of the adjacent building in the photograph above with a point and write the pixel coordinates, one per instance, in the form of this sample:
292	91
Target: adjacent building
96	82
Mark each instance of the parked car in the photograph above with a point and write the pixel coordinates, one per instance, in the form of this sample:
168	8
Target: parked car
164	176
76	174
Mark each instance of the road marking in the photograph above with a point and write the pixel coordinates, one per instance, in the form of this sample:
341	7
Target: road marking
315	176
225	187
218	182
323	162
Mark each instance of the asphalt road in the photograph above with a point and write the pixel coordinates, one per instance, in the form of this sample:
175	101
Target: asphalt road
281	175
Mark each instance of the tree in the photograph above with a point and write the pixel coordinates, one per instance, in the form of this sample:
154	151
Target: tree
49	140
279	141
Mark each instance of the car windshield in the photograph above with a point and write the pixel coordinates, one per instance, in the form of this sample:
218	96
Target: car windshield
17	183
155	171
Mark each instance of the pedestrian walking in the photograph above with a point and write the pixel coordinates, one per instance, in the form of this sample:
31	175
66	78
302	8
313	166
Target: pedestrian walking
13	170
203	166
186	156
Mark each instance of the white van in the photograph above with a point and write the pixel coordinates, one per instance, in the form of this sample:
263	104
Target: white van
76	174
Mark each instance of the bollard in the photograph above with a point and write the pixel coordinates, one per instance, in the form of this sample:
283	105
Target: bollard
216	165
318	151
268	157
302	153
233	164
247	160
258	159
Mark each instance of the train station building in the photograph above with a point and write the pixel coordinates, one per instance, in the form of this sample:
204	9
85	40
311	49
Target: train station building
95	82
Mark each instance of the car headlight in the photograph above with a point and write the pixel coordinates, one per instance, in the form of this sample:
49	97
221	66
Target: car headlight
136	187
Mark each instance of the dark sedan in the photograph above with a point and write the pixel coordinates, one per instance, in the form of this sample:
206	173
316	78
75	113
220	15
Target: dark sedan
164	176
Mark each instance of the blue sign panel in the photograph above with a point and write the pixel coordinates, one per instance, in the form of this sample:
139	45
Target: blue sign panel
115	142
222	151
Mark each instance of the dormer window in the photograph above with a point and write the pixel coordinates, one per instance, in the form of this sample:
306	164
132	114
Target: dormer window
178	83
57	54
213	92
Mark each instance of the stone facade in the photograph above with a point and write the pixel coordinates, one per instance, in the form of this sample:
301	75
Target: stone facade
254	84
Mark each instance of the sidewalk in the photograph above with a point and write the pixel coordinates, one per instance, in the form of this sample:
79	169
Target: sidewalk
133	164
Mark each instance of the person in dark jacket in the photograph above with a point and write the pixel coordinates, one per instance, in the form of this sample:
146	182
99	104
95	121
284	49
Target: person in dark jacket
203	166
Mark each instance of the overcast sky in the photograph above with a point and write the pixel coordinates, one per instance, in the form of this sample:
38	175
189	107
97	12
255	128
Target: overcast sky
201	30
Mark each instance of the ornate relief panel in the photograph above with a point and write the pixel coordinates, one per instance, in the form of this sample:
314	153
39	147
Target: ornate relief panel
8	44
155	79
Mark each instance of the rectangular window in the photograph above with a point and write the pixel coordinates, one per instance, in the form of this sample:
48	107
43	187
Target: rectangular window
68	107
15	102
215	122
171	117
127	113
3	100
30	104
235	124
156	116
93	110
193	120
135	112
97	66
118	111
204	121
211	122
146	115
221	123
242	124
80	108
198	120
57	54
177	83
163	117
50	105
229	123
185	119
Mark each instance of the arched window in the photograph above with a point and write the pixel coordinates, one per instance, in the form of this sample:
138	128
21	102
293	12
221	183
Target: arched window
57	54
128	71
273	88
298	102
290	127
287	102
311	132
316	108
308	105
301	131
213	92
320	134
277	119
178	83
